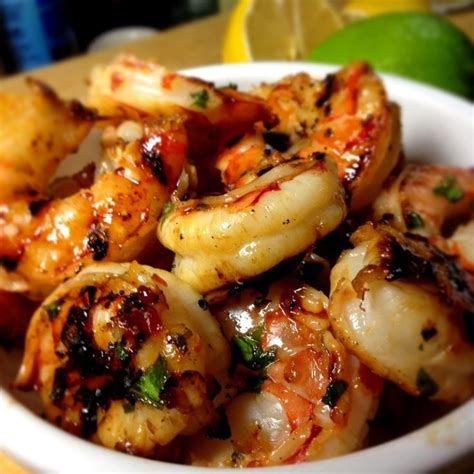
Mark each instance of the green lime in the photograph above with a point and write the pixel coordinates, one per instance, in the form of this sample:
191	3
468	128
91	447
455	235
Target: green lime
420	46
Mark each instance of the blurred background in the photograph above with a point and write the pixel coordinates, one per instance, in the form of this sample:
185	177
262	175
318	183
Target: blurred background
34	33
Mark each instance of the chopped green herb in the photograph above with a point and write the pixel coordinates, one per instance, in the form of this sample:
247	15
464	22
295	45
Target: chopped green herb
120	351
53	309
201	98
421	347
251	351
334	392
425	384
449	188
428	333
167	209
128	407
414	220
151	383
232	85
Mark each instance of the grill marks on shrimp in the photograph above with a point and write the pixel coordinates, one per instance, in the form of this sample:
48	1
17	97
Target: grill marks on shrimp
93	376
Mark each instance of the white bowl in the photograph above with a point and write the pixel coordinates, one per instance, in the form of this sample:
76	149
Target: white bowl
437	128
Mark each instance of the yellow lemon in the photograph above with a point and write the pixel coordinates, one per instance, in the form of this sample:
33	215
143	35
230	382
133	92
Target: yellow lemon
277	29
361	8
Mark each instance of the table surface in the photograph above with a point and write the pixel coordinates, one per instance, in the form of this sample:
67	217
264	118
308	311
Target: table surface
193	44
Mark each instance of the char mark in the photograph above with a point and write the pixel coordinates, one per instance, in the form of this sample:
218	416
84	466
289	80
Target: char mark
98	241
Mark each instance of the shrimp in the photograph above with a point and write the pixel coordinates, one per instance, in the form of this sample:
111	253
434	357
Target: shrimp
36	132
149	88
405	309
127	356
46	240
303	397
245	160
429	200
346	115
250	229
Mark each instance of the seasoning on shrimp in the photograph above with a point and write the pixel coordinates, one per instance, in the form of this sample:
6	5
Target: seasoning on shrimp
296	394
127	358
346	115
113	219
390	291
264	220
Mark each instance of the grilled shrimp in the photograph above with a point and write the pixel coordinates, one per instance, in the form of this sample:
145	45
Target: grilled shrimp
148	88
405	309
127	356
429	200
36	132
346	115
45	240
301	395
250	229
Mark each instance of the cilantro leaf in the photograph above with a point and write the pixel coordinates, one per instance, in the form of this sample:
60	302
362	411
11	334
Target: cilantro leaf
334	392
414	220
120	351
53	309
251	351
449	188
167	209
152	382
201	98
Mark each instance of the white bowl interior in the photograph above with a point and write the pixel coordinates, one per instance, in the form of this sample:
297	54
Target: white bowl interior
437	128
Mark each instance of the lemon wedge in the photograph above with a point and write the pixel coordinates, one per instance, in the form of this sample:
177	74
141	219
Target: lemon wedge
355	9
277	29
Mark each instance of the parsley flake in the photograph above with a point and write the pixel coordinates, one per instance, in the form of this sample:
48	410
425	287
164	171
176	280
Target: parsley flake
414	220
152	382
251	351
449	188
167	209
334	392
120	351
54	308
201	98
425	384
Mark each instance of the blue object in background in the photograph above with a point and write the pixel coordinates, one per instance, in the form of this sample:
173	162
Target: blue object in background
36	31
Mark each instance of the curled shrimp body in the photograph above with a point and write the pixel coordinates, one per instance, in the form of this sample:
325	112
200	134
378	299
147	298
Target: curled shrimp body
346	115
126	356
405	309
46	240
303	396
250	229
427	199
149	88
36	132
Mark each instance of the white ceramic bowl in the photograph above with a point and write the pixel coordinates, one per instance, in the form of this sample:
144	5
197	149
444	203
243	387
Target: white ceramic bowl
437	128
